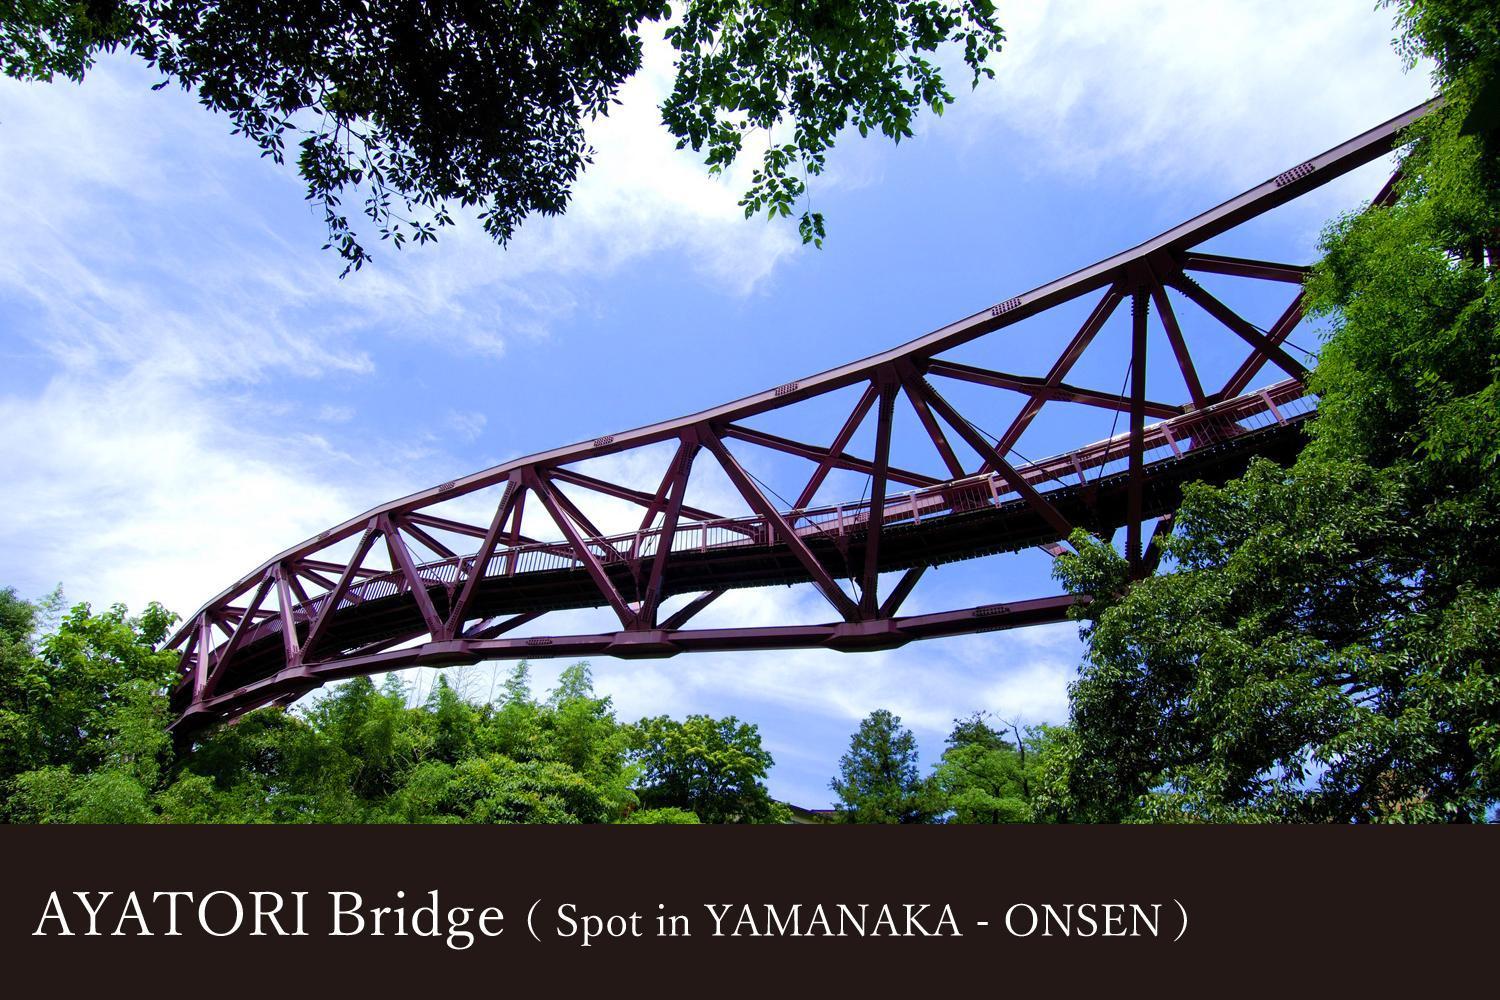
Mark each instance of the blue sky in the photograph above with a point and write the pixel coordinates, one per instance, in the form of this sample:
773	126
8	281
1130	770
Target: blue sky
186	387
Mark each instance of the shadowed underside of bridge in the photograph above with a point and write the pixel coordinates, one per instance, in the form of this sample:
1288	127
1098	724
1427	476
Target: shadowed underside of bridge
424	581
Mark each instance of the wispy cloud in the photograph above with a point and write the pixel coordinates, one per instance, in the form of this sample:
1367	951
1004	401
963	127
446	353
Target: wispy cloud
467	424
134	489
329	413
1167	90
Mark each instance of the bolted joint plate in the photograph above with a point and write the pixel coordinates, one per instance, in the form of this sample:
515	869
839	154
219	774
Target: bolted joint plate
642	645
860	637
451	653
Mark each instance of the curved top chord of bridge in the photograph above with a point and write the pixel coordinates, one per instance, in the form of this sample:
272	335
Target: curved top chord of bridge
308	616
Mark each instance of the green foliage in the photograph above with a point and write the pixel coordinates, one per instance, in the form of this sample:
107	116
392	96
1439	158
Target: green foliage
879	781
40	39
983	777
1326	648
663	817
84	710
80	711
747	68
496	789
985	774
413	107
713	768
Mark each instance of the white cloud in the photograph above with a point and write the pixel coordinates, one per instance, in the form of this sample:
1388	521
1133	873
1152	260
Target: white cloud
134	490
467	424
332	414
1230	89
122	196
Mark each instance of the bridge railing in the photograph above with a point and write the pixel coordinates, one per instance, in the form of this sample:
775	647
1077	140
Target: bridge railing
1166	440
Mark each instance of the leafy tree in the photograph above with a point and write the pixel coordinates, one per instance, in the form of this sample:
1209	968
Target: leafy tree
454	721
516	728
1327	648
584	734
983	777
22	686
713	768
879	781
413	107
84	730
496	789
268	767
83	702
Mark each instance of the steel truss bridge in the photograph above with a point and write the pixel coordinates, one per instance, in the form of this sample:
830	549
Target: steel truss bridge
452	588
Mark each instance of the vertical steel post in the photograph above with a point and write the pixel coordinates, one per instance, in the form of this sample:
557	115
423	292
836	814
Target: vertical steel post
875	523
1139	306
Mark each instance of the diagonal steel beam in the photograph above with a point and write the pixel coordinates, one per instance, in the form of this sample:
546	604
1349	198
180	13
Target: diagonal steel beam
929	423
227	651
313	575
482	557
1153	555
292	648
202	643
1103	309
840	442
767	510
579	517
814	453
539	485
875	524
442	523
335	597
184	631
401	558
691	608
500	628
1281	330
901	591
994	460
640	497
333	567
303	601
1043	390
516	520
659	498
1238	325
646	617
415	530
383	644
1179	345
1241	267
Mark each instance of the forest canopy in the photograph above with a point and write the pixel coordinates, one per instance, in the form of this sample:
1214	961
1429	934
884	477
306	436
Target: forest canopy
83	733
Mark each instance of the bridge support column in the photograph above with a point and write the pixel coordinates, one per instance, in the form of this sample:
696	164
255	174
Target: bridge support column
875	522
1139	307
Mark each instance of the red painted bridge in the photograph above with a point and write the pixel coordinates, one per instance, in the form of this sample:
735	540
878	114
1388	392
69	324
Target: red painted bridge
424	581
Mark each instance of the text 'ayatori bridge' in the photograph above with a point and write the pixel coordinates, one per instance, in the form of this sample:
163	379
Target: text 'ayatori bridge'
451	588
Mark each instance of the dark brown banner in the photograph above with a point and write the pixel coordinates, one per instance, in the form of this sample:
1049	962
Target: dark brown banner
747	909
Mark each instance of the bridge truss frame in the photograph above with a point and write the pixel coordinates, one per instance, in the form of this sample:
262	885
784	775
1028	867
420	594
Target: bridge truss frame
308	587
